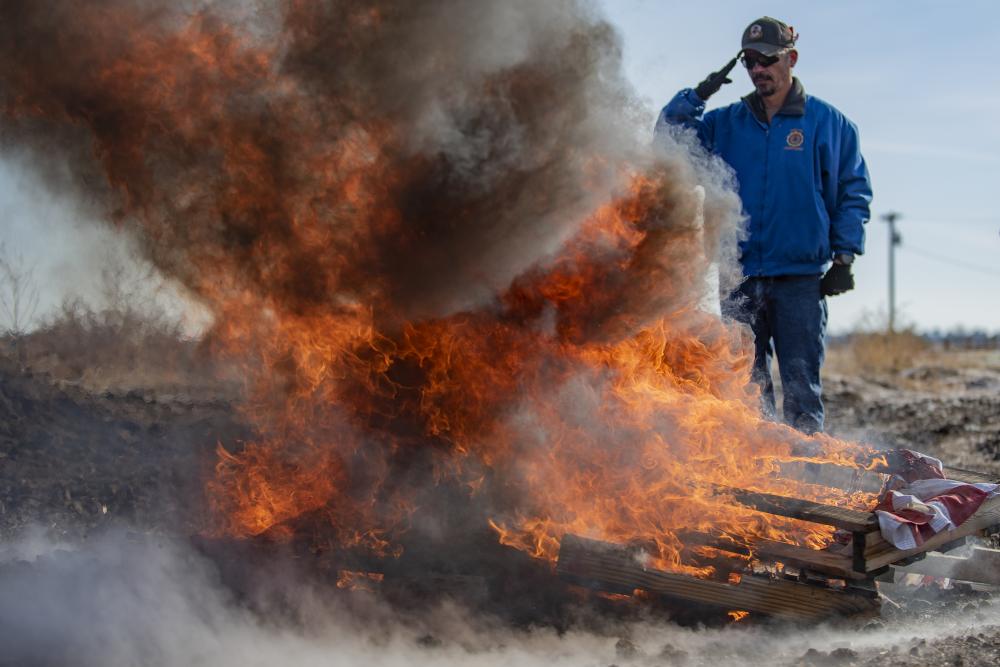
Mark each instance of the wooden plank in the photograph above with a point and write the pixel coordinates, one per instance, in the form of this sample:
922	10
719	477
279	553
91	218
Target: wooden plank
950	472
855	521
823	562
980	566
856	479
879	552
969	476
613	567
832	475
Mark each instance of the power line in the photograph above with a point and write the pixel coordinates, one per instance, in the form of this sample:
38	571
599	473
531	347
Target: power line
950	260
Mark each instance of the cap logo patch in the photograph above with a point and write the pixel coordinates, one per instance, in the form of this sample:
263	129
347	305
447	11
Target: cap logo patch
756	31
794	140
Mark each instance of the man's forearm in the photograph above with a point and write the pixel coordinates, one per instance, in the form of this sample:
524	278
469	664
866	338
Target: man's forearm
685	109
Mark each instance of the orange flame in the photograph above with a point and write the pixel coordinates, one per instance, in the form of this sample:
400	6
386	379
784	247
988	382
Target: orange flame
358	581
624	439
588	395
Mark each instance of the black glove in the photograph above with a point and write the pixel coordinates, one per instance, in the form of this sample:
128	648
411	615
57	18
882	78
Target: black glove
837	280
711	85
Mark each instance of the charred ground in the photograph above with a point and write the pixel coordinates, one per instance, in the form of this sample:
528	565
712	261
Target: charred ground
78	457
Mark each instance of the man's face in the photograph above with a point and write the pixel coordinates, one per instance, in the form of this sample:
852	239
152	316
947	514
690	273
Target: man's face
769	74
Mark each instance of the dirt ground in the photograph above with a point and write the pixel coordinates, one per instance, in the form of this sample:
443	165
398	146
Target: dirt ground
946	404
76	460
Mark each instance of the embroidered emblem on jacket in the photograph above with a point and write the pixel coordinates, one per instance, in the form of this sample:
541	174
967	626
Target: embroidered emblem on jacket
794	140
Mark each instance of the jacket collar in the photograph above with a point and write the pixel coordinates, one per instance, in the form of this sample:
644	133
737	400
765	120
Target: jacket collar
795	102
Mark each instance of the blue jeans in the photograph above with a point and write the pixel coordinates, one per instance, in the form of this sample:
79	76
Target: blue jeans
787	315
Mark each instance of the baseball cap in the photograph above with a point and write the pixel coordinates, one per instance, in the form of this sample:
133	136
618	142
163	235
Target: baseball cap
768	36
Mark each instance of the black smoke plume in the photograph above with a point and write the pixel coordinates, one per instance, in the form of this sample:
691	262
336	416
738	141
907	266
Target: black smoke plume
413	156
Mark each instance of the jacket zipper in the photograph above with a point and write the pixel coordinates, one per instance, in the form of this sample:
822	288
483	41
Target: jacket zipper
763	201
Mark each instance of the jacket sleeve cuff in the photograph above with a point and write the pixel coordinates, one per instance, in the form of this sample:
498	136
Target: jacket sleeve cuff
692	98
846	249
683	108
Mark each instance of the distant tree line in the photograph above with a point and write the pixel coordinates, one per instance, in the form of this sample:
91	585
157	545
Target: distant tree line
958	338
964	339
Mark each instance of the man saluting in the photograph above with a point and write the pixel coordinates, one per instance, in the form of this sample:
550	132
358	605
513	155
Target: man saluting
805	190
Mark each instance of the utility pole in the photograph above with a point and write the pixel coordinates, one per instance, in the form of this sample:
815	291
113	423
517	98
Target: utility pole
894	240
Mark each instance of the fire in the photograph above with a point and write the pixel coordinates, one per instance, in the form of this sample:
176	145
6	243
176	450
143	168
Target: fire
500	315
624	439
738	615
614	597
359	581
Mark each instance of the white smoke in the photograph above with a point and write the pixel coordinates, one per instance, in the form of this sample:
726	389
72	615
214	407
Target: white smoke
129	599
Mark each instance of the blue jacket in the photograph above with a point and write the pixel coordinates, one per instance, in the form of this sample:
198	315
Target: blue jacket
802	180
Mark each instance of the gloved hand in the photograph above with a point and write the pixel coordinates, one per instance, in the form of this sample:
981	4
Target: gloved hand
837	280
710	86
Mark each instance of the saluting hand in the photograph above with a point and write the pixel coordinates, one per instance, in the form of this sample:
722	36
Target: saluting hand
710	86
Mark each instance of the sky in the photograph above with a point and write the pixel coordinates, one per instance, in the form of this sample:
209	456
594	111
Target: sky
915	78
911	74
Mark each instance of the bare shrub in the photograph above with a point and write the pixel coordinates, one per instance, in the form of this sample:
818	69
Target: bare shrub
873	351
884	353
18	294
129	342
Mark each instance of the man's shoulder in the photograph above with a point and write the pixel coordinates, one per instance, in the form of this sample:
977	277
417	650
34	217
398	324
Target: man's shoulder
824	110
820	103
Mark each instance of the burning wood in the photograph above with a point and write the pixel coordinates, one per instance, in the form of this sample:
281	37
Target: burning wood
463	296
462	274
845	579
606	566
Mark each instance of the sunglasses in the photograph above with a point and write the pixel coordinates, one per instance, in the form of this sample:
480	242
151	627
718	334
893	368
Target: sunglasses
749	61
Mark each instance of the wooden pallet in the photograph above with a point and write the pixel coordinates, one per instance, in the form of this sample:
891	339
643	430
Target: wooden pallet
870	553
618	569
978	565
846	577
